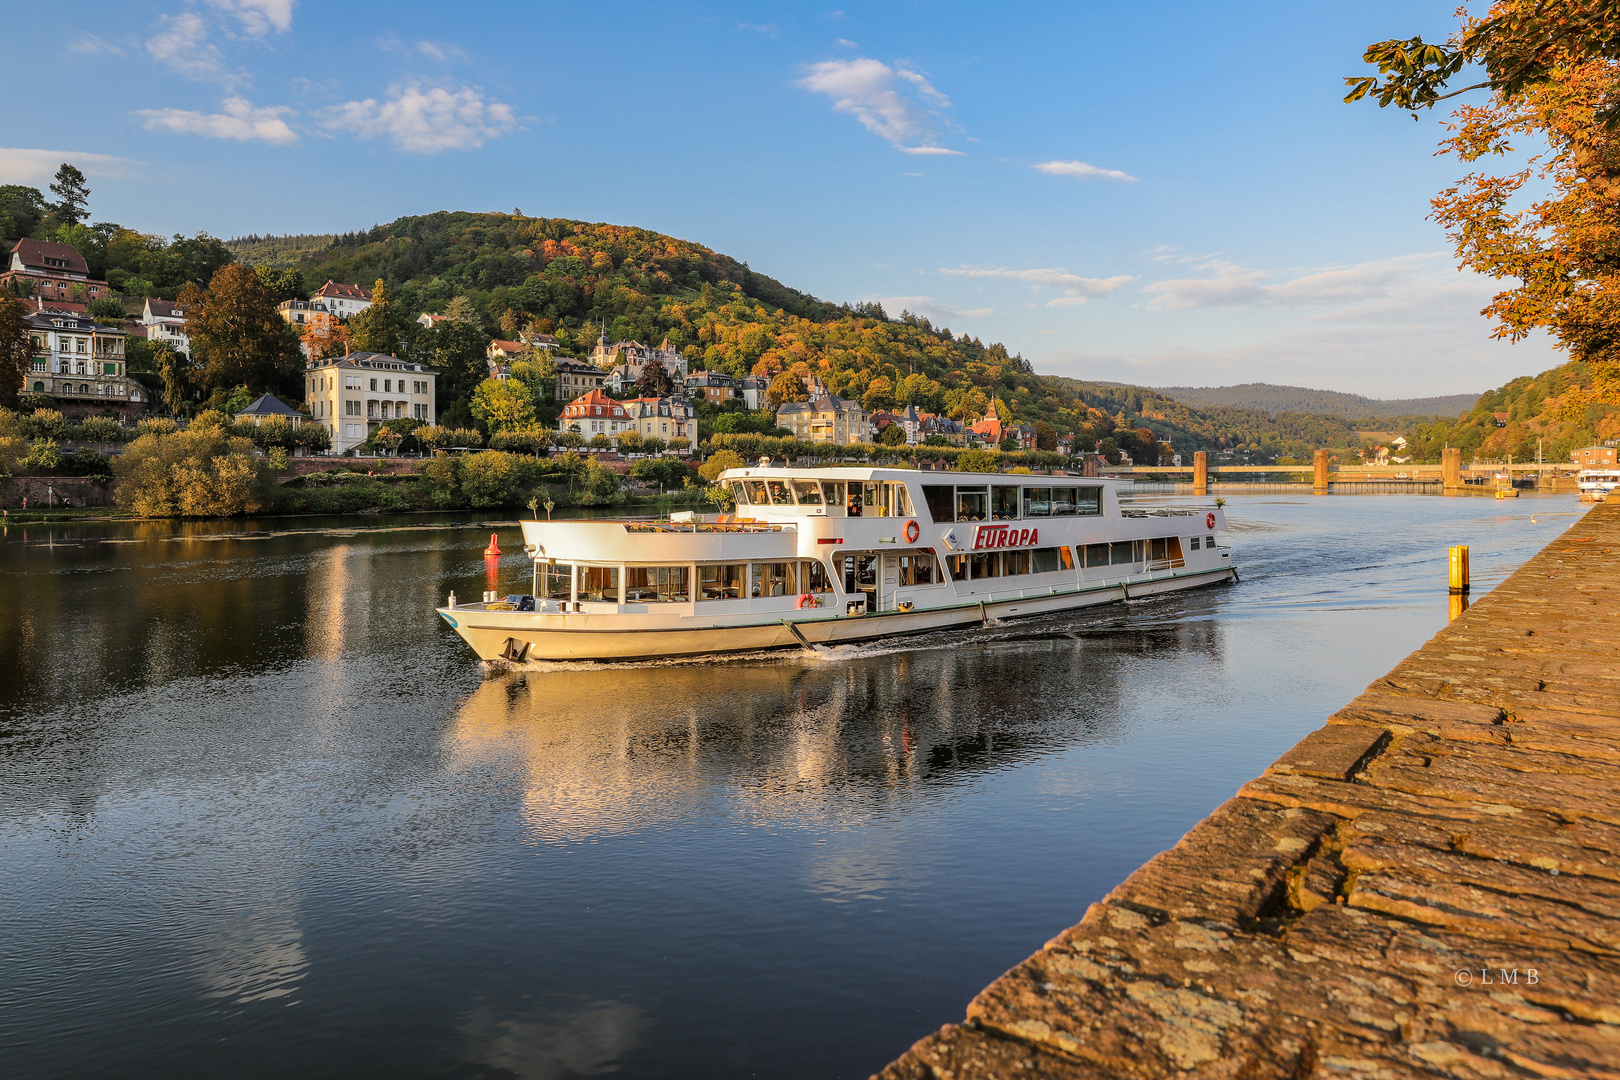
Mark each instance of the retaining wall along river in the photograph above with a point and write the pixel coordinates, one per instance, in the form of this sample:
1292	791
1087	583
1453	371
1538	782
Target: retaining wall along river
1427	885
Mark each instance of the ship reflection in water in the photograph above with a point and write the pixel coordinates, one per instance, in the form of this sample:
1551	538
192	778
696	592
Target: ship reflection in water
834	737
262	816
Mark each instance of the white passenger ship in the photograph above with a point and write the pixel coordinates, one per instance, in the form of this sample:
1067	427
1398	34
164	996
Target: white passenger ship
830	556
1597	485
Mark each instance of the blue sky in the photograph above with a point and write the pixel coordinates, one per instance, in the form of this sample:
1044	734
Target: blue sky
1158	193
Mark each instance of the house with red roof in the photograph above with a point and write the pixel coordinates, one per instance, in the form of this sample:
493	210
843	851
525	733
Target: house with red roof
55	274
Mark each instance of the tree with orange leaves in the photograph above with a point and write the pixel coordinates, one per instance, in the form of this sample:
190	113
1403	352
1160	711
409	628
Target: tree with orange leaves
1553	75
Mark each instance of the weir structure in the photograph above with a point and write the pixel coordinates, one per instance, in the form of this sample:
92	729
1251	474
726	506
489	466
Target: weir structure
1429	885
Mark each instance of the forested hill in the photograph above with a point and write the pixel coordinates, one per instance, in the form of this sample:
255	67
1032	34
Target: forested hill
576	279
1550	414
1275	399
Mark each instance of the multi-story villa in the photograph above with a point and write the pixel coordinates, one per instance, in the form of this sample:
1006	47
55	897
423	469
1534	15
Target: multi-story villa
626	360
344	301
352	395
594	413
827	418
712	386
165	321
80	363
669	418
574	378
54	273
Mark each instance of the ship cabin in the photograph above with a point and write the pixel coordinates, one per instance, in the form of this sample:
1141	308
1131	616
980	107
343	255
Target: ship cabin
853	541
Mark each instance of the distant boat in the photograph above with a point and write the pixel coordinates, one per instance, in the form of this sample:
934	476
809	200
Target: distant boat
1596	484
1504	486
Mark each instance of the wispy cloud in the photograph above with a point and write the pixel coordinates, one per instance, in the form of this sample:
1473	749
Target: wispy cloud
896	103
1080	168
36	167
935	312
239	120
257	18
426	120
180	43
91	45
1229	285
1078	289
845	43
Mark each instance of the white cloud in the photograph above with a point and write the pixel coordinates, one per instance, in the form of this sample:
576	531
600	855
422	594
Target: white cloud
37	167
91	45
1230	285
256	18
896	103
239	121
181	44
845	43
426	121
937	313
934	150
1080	168
1079	289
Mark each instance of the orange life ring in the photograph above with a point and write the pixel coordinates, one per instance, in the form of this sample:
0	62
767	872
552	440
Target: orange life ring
1209	519
806	600
912	532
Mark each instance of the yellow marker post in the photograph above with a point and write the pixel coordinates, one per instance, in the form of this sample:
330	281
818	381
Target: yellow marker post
1459	568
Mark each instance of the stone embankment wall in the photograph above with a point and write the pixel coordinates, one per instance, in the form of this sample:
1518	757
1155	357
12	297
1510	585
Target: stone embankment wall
69	491
1429	885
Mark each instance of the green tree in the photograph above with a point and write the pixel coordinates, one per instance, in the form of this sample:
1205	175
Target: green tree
22	209
72	193
239	337
879	394
16	351
1046	437
503	403
976	461
669	473
490	479
200	472
456	348
373	330
719	462
282	284
893	434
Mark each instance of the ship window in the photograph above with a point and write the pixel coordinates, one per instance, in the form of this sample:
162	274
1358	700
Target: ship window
1003	503
971	503
774	579
1037	502
779	492
757	493
721	582
1194	544
1122	552
1090	502
1064	502
957	565
599	583
813	578
872	499
808	491
832	492
984	564
1209	541
657	584
557	581
1015	562
1048	560
919	569
900	500
739	491
941	501
1096	555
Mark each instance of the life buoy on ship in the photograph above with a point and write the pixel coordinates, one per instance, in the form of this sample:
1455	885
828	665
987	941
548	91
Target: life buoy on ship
1209	519
806	600
912	532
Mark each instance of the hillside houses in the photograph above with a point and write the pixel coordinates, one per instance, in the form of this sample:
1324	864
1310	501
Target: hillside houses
54	274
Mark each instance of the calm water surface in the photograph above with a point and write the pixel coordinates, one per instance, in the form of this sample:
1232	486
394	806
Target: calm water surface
261	815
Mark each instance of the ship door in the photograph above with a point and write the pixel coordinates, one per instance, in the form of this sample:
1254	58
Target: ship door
888	581
861	578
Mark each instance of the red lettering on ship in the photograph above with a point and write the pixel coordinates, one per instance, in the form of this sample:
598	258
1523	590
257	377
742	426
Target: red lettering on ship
1001	536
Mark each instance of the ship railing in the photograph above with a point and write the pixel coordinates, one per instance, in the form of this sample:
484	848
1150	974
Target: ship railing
702	527
1155	565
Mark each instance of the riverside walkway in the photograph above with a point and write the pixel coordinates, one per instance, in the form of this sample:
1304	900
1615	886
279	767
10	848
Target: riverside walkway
1429	885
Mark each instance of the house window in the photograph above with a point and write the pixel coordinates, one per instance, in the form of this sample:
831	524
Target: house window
374	384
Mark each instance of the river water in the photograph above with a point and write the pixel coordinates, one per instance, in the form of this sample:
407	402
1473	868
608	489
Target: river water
261	815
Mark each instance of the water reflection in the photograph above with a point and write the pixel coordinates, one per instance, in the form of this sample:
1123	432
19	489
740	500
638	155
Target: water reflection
544	1044
837	737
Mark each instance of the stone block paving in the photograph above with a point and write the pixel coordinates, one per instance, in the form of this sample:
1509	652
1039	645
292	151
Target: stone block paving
1429	885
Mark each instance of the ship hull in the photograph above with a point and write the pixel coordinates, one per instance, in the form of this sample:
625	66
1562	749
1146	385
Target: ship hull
521	636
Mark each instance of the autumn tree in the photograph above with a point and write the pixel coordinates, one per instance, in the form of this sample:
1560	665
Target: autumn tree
237	334
788	386
15	351
72	193
1550	225
373	330
503	403
654	381
179	375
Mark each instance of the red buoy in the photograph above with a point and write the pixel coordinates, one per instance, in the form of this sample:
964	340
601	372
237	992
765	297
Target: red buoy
494	548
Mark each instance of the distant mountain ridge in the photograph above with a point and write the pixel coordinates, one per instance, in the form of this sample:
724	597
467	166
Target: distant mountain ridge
1275	399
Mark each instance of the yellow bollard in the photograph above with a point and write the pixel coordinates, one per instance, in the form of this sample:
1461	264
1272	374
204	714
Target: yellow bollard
1459	568
1459	604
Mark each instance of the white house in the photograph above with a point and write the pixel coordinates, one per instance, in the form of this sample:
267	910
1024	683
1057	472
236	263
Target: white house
165	322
